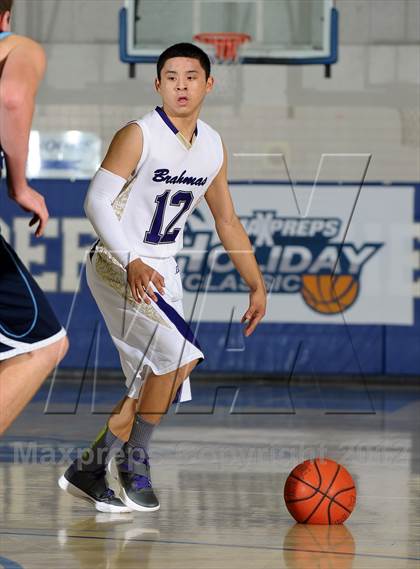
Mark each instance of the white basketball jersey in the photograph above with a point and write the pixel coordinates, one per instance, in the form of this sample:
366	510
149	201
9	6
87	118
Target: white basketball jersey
171	178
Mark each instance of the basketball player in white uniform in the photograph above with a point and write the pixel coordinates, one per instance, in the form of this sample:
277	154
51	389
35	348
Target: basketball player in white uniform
32	341
156	171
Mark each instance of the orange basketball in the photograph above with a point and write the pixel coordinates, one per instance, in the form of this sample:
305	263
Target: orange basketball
329	294
320	491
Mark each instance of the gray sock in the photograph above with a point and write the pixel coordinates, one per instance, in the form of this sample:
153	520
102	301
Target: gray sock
141	433
95	458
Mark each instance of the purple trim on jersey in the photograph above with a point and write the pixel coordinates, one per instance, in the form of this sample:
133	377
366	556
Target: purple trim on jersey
178	321
168	121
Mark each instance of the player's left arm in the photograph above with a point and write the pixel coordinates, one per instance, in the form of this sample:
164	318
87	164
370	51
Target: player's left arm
238	246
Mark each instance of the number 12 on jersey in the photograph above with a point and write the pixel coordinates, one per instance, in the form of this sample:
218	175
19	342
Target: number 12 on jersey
155	235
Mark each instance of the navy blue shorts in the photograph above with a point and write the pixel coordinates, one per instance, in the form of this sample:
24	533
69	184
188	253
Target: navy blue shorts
27	321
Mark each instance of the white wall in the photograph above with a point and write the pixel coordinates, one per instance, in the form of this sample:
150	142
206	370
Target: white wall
370	105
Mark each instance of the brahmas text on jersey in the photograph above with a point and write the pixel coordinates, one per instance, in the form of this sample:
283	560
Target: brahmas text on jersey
170	180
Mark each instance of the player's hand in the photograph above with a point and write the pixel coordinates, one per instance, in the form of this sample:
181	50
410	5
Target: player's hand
140	278
256	310
30	200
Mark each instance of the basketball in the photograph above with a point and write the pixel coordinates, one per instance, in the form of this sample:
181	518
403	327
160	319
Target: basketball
320	491
329	294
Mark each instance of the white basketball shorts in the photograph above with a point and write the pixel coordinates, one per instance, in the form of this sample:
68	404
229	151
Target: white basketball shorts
148	337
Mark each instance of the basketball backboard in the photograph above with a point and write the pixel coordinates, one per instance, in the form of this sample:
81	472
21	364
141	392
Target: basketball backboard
294	32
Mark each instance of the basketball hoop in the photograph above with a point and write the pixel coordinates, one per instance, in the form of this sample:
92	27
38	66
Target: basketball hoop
225	43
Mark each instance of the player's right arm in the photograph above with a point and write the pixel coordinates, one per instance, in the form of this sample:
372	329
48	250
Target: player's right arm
22	71
118	165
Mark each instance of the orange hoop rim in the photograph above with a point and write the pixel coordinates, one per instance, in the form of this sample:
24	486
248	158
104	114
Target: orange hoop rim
225	43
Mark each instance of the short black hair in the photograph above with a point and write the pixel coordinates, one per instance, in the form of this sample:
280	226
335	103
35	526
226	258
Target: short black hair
184	50
5	6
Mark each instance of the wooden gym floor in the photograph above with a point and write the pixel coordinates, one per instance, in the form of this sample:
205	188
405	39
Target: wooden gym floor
220	476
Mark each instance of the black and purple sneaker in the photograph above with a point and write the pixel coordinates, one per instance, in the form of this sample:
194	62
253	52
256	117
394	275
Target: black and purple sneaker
133	471
93	487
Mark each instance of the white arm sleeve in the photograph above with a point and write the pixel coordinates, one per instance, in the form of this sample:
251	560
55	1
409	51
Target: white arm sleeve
104	188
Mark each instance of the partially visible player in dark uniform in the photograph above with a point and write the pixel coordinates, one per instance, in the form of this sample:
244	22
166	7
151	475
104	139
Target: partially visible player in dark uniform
32	341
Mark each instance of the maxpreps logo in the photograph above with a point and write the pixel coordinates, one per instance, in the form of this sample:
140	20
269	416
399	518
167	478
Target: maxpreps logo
296	255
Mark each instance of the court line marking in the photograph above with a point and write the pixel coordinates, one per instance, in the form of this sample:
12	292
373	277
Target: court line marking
226	545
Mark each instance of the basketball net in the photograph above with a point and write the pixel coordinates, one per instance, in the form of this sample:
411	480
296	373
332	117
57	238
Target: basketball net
226	44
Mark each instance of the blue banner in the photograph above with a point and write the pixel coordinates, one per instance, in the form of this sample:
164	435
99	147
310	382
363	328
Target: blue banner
57	261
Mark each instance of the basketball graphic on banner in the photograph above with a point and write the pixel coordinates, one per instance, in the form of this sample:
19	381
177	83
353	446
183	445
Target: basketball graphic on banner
329	294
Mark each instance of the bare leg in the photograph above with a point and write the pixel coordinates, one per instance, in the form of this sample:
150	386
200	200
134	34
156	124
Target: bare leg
22	376
156	396
121	421
159	391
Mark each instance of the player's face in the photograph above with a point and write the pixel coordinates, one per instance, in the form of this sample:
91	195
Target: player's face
183	85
